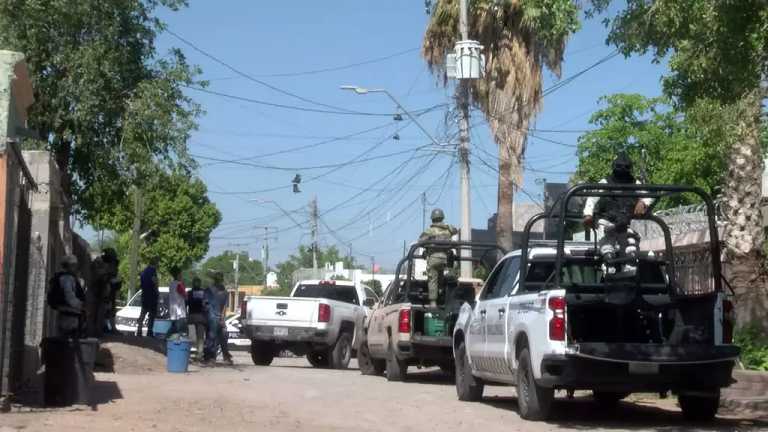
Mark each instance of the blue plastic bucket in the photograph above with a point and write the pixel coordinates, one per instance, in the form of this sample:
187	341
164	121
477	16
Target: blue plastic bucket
178	355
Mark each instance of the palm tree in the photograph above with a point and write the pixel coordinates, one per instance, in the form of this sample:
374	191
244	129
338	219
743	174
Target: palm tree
520	38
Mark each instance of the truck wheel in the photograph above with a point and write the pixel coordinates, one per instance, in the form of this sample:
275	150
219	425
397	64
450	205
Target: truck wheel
396	369
699	408
318	359
608	399
367	364
534	401
468	388
262	353
341	353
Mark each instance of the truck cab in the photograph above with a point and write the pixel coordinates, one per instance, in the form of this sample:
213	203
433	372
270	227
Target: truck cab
548	319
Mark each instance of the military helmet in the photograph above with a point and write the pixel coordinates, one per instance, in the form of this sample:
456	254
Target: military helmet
438	215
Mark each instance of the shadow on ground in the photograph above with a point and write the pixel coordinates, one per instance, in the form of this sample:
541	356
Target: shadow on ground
585	414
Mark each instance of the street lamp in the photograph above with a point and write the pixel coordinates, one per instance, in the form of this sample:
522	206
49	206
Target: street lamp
362	90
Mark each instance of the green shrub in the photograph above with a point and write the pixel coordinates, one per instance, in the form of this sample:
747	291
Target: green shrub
754	347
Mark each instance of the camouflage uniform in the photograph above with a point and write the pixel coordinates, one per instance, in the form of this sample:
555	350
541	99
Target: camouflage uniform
437	258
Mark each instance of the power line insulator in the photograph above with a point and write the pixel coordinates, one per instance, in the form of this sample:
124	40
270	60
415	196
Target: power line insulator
398	117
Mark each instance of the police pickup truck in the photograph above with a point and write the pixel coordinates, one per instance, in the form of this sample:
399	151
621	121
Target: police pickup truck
549	319
321	319
403	329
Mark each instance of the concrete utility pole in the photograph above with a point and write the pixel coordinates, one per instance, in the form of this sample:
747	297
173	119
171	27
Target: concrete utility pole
423	211
313	212
236	290
133	272
462	100
266	254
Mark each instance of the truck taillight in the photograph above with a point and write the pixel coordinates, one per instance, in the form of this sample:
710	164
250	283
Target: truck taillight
404	321
729	319
323	313
243	310
557	323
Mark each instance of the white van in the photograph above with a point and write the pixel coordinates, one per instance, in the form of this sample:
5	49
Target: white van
125	319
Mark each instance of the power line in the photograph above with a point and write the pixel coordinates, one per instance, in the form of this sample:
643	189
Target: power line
252	78
337	68
335	111
331	139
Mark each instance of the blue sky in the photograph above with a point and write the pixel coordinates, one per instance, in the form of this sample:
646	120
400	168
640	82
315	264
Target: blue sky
276	42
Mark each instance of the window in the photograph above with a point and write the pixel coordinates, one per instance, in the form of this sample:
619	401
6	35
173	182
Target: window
342	293
502	280
370	294
509	278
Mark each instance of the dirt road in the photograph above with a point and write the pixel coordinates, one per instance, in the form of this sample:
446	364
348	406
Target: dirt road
291	396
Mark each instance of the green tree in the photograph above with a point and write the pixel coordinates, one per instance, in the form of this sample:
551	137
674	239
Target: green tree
520	37
109	108
179	216
718	53
303	259
251	271
669	146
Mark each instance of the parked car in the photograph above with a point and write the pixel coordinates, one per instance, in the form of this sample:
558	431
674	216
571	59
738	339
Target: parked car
403	330
548	318
127	316
321	319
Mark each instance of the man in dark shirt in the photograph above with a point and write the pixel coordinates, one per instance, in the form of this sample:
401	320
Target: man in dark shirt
149	297
197	314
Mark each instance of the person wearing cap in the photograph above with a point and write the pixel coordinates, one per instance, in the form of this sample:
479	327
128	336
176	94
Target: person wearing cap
614	215
68	298
150	297
216	297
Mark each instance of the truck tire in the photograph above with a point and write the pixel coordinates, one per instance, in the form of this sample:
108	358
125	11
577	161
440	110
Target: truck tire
534	401
262	353
367	364
318	359
396	369
468	388
341	353
608	399
699	408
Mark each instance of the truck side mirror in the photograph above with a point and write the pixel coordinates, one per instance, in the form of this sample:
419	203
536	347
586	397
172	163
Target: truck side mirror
369	302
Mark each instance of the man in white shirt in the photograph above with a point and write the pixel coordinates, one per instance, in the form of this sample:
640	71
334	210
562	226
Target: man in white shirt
614	215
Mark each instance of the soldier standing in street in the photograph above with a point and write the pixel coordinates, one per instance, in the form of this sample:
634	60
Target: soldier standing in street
437	258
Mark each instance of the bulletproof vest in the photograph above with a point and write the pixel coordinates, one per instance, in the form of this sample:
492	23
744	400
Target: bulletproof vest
617	210
440	232
56	297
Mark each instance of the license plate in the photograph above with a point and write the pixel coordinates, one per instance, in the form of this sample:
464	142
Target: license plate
233	335
280	331
644	368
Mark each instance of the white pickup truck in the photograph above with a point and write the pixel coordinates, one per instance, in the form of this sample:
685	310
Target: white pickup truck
550	318
321	319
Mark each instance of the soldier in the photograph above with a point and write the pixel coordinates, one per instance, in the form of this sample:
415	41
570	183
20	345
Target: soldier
614	215
67	297
103	270
437	258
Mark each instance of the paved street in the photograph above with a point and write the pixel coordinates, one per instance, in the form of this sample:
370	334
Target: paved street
291	396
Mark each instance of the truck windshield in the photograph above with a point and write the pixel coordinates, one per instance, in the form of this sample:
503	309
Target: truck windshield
342	293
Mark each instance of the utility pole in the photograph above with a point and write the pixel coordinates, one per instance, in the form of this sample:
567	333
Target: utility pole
313	212
423	211
462	100
133	273
236	290
266	254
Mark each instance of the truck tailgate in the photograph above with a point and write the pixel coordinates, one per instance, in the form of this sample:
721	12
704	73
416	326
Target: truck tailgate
289	311
657	353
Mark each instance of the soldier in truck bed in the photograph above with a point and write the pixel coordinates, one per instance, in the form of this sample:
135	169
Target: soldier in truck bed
437	258
614	215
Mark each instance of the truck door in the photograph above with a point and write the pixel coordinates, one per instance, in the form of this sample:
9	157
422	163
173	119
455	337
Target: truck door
497	328
478	326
